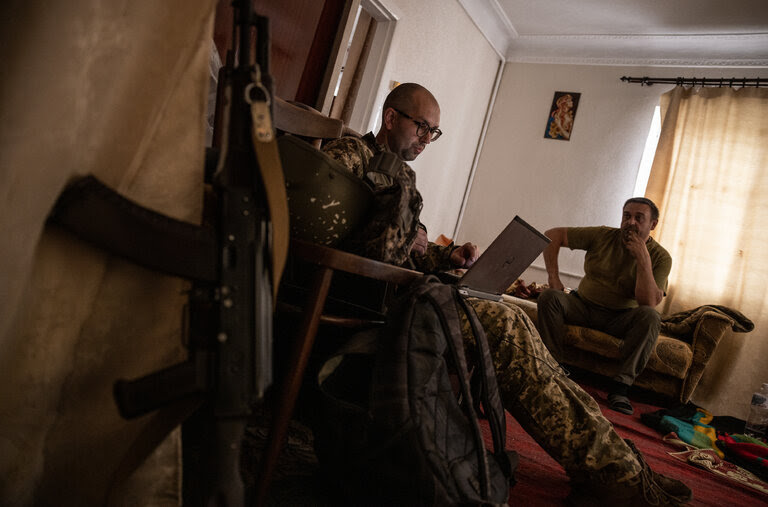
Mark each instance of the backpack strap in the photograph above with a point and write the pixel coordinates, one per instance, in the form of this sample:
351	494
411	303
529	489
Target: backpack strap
489	392
385	162
442	299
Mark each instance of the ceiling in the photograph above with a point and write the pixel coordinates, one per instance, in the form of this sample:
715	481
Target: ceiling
626	32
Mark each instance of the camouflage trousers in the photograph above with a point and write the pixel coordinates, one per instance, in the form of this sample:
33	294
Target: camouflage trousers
563	419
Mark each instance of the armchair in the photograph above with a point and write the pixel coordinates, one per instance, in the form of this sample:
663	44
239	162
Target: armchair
677	362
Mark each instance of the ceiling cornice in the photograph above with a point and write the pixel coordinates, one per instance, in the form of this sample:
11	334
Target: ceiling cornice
640	62
733	50
491	20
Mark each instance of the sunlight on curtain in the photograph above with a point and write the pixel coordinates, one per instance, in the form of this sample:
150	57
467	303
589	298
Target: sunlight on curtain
710	181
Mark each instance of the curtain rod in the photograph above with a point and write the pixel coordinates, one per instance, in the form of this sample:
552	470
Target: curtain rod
694	81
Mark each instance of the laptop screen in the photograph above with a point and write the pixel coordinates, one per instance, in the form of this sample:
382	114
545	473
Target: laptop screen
505	259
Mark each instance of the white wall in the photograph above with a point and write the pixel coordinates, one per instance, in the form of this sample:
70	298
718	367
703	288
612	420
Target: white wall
553	183
437	45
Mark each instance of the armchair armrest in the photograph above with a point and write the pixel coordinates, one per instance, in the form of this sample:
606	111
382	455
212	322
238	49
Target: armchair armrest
710	329
528	306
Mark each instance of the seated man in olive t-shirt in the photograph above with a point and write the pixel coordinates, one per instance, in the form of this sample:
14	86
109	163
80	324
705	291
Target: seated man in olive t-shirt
625	278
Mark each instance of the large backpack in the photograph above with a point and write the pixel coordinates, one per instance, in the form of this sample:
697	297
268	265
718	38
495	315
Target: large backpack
392	428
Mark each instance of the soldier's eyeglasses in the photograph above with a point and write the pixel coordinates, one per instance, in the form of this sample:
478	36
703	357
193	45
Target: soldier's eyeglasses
422	128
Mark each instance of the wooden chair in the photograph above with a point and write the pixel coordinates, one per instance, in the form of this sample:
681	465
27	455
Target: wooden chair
323	263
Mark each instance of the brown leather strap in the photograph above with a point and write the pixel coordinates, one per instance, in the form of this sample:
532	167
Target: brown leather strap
268	156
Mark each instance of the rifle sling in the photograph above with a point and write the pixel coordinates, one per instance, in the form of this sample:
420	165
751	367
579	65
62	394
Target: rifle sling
271	171
97	214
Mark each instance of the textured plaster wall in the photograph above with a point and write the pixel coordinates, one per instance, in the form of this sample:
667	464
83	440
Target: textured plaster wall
437	45
551	182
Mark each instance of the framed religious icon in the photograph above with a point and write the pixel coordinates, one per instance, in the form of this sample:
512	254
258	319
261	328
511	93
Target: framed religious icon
561	115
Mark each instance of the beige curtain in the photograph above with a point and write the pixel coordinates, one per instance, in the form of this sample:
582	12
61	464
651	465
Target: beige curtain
710	180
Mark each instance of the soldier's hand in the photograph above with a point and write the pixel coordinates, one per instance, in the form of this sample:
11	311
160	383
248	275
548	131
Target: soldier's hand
464	256
419	246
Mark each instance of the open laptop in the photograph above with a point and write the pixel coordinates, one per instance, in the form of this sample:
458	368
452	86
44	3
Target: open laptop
503	262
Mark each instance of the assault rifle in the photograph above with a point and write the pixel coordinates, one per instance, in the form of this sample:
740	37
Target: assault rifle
234	265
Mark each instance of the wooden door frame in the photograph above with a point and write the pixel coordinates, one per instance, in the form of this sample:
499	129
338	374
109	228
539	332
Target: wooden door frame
372	91
365	109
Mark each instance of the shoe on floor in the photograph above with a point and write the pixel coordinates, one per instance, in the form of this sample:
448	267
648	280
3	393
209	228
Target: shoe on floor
640	491
646	488
620	403
671	486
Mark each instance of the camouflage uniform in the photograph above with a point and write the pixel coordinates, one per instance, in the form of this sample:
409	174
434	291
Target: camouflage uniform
394	220
553	409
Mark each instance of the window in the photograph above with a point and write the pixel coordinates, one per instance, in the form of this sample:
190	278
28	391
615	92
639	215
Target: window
648	153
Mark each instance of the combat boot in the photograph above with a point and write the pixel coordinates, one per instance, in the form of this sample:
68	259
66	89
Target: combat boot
671	486
644	489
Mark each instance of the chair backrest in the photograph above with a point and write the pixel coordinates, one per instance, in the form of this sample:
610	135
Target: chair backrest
304	121
326	202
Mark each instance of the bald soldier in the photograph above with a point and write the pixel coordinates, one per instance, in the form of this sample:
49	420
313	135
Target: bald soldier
603	468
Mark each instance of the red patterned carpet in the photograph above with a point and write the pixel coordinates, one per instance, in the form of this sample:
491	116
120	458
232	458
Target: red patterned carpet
542	482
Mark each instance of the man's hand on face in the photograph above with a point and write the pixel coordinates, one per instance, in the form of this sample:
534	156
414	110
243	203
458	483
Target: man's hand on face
464	256
636	226
634	243
419	246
